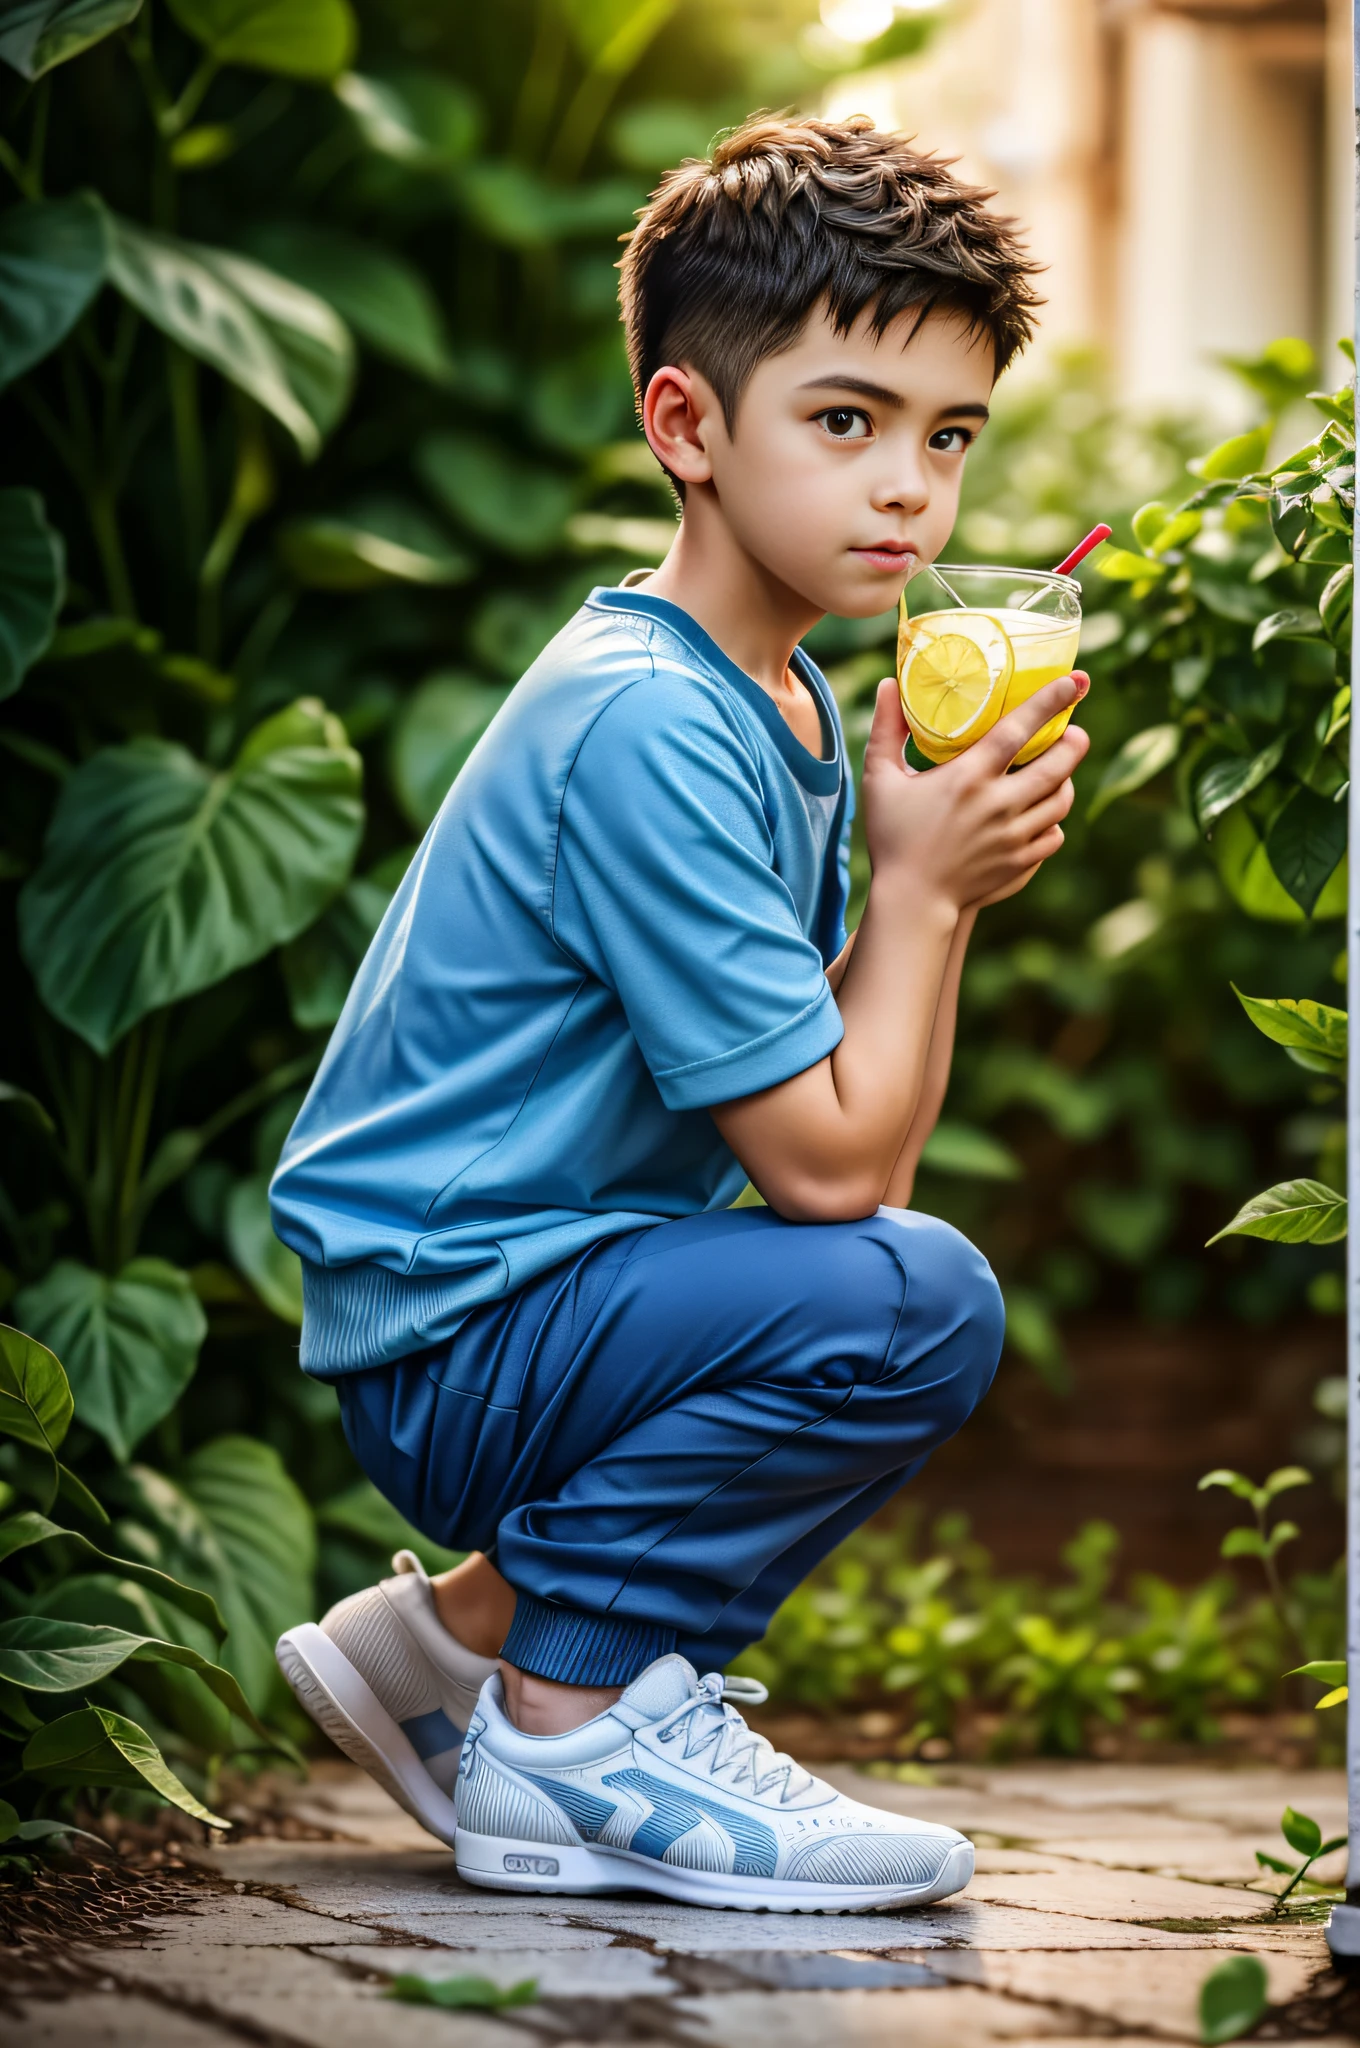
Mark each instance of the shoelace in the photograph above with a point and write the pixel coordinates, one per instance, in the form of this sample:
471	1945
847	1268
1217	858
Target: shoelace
707	1721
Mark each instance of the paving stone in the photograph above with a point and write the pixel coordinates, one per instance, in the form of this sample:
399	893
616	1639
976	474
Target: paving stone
609	1972
1096	1893
955	2018
959	1922
229	1920
1120	1985
95	2020
304	2000
1212	1857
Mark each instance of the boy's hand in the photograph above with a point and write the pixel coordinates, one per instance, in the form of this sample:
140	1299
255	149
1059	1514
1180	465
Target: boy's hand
969	832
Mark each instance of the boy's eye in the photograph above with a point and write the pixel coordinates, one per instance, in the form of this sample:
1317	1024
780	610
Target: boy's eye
951	440
845	423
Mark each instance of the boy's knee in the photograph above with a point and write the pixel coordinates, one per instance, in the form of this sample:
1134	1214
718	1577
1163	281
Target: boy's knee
953	1311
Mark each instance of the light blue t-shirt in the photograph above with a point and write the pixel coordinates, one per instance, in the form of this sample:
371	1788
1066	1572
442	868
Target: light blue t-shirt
622	914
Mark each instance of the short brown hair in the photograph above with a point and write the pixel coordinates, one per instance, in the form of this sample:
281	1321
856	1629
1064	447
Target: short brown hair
732	252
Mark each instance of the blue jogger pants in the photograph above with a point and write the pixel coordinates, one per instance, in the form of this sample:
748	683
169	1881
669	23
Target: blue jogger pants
657	1441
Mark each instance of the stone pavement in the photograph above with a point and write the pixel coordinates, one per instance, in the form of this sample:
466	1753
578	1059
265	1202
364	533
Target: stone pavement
1104	1895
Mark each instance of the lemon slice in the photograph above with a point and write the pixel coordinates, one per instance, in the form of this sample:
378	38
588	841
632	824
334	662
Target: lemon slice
953	671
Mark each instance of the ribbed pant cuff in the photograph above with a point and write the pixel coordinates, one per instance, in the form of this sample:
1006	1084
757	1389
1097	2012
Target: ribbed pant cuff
572	1648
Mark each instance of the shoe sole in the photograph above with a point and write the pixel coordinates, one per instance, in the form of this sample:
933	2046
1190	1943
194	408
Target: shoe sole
327	1686
506	1866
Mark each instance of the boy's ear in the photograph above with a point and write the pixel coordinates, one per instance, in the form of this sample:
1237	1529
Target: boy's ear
678	409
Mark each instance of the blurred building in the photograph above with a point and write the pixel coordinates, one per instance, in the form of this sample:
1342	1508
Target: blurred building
1184	167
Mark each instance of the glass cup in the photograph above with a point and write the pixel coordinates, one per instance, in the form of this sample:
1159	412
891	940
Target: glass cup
974	642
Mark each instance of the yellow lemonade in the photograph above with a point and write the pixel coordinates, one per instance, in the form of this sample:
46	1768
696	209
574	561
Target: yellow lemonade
960	671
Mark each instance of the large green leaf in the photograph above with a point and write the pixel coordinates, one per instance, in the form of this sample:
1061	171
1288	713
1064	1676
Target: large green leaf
40	1653
1292	1212
319	966
440	724
233	1522
159	877
512	204
1138	760
1315	1030
1227	782
379	294
53	254
97	1747
1246	872
272	1270
284	347
517	505
26	1531
418	118
381	540
299	38
32	584
1305	845
1232	1999
35	35
130	1342
963	1149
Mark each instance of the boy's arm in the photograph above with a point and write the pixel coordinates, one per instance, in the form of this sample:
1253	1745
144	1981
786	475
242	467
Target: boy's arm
823	1145
935	1086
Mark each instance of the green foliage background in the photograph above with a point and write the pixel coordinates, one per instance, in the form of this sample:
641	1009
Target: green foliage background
316	426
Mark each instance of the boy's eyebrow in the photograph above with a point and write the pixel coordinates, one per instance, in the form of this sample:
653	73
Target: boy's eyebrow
969	410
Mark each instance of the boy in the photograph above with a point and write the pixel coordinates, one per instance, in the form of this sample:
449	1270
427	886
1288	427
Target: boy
613	985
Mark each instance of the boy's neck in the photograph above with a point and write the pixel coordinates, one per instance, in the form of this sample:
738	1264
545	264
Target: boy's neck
754	617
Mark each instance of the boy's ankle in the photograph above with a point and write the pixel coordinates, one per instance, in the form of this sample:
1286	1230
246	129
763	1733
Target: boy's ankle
475	1604
539	1706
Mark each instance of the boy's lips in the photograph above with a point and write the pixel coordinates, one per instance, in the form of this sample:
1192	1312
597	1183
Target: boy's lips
888	554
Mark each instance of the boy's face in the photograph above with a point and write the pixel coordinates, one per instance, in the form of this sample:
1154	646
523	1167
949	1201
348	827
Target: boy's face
847	457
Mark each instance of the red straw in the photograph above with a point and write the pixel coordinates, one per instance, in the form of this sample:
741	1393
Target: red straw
1083	549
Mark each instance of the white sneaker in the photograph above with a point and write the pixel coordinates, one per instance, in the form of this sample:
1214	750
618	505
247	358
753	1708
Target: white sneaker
384	1679
671	1792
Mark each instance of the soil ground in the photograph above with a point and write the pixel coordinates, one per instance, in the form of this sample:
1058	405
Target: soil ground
1104	1895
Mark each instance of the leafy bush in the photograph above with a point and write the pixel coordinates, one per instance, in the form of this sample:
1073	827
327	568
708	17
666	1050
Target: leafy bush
944	1635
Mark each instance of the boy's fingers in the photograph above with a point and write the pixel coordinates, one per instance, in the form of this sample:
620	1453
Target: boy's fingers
999	747
889	732
1048	771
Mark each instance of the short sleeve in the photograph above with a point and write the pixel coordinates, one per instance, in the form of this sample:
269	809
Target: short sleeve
666	888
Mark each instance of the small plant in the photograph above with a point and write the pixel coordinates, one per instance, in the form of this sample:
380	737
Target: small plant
1329	1671
1263	1538
1304	1837
1232	1999
462	1994
1060	1677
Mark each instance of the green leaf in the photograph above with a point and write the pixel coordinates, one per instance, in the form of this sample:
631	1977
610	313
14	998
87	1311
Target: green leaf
319	966
1292	622
1242	455
584	401
272	1270
384	540
1138	760
1280	375
1227	782
963	1149
1302	1026
232	1521
25	1531
283	347
439	725
1305	844
1268	1862
1236	1482
36	35
424	120
1247	875
1120	565
41	1654
160	877
1232	1999
517	505
1244	1543
1032	1332
1303	1834
462	1994
53	254
1334	606
513	205
36	1404
361	1512
1292	1212
297	38
655	134
1326	1670
97	1747
32	584
130	1343
1284	1478
379	294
